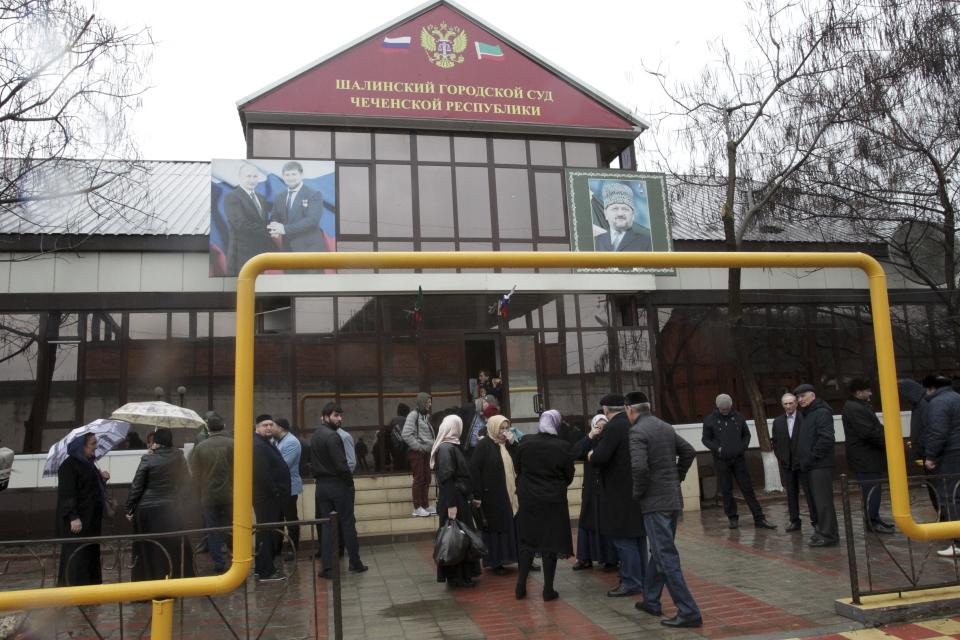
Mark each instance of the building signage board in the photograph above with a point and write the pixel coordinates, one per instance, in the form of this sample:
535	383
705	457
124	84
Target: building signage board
258	206
612	210
437	65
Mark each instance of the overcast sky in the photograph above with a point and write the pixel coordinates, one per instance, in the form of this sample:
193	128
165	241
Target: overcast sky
210	54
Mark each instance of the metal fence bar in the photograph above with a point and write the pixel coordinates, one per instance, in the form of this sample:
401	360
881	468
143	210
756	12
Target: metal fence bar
851	549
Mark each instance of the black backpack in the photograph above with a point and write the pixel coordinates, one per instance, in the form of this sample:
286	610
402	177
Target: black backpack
396	436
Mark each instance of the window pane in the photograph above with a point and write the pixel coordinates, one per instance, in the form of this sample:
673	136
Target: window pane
356	315
314	315
545	152
203	324
470	149
513	203
562	364
312	144
393	146
433	148
180	325
551	219
394	201
353	247
271	143
224	324
148	326
395	246
354	195
593	311
509	151
581	154
436	201
352	146
473	202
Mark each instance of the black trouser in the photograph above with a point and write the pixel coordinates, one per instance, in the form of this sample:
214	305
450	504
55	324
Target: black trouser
820	481
334	495
871	486
793	481
727	471
269	541
290	515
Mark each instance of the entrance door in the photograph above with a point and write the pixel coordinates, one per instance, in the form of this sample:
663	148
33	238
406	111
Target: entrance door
522	378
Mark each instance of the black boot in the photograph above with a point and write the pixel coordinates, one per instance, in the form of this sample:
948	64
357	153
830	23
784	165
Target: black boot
526	559
549	573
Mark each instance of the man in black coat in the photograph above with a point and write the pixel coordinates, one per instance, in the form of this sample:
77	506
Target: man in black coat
726	434
942	449
334	492
620	518
786	435
271	488
815	457
866	451
660	459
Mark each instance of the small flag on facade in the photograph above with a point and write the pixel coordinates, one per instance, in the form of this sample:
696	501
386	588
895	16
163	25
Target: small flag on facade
502	303
492	51
418	306
400	43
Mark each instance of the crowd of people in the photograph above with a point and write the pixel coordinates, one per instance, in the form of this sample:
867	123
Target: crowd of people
512	487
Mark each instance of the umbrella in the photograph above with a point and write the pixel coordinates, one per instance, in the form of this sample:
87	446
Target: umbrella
109	434
159	414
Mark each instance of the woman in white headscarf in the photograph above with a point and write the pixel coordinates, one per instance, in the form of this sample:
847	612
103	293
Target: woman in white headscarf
454	494
495	485
544	466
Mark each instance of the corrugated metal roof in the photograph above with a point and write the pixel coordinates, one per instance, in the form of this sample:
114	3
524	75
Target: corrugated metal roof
172	198
154	198
695	215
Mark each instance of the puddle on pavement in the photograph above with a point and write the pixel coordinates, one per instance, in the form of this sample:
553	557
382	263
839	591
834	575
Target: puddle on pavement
420	608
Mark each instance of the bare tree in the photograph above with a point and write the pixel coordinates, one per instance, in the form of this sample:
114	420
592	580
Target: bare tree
894	163
69	81
748	125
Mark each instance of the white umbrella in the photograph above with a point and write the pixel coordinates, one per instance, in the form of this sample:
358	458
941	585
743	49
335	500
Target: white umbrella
109	433
159	414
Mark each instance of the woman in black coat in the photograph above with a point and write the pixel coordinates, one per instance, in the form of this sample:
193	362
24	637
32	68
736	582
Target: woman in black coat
592	546
454	495
544	465
155	505
495	486
81	496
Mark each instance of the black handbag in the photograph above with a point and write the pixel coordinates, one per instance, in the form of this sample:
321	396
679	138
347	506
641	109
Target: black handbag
451	545
479	518
476	546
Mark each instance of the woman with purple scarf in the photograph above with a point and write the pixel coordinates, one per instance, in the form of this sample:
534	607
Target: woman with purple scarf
544	467
81	496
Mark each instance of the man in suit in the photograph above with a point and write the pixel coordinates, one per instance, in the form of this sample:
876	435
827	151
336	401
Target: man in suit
620	212
815	458
620	517
786	434
297	212
248	214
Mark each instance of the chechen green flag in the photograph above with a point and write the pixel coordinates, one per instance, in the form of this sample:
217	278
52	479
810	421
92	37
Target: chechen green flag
489	51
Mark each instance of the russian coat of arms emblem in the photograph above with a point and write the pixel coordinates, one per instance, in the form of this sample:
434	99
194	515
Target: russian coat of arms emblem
443	44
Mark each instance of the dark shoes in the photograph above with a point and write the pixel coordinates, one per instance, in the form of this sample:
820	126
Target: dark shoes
521	591
881	527
819	541
276	576
499	571
734	523
550	595
621	592
359	568
581	565
677	622
646	608
763	524
793	526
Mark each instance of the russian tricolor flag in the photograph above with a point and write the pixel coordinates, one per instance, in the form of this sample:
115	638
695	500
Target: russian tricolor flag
400	44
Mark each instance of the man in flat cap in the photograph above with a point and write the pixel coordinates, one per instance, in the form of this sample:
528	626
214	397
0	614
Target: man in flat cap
726	435
619	208
660	459
620	518
866	451
815	458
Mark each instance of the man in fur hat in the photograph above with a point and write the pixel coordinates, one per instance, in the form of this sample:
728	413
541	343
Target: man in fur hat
619	208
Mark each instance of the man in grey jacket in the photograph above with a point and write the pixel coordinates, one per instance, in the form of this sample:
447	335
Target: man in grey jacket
418	436
659	461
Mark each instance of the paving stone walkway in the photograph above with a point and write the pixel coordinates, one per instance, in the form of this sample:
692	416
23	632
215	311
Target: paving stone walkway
749	583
